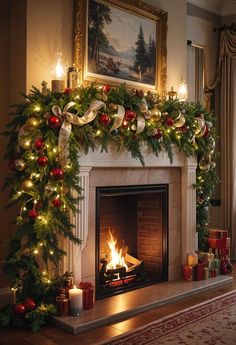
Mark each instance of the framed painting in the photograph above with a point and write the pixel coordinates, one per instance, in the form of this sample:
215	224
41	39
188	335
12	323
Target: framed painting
119	41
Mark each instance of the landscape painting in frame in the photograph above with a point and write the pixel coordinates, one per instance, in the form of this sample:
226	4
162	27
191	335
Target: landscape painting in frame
121	46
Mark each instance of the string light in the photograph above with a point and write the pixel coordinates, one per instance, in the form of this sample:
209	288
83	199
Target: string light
51	252
37	108
98	132
35	251
54	150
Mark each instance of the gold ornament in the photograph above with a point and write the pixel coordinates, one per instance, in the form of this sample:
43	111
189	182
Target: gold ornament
213	165
25	143
205	163
20	164
147	115
200	127
155	114
32	122
211	145
143	107
27	185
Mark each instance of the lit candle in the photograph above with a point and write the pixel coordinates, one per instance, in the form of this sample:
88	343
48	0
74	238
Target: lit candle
76	301
58	84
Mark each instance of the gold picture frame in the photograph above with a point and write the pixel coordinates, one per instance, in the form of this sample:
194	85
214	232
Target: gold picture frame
119	41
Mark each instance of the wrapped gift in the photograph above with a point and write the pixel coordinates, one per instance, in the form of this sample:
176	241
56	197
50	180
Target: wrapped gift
88	294
199	271
206	273
217	243
192	259
228	242
223	252
189	272
217	233
62	304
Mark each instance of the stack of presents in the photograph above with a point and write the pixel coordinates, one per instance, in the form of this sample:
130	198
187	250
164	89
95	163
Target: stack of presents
204	265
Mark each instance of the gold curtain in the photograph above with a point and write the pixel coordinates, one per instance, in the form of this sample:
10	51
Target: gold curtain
226	77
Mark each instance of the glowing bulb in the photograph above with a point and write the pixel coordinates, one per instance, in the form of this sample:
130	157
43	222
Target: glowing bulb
19	192
36	251
98	132
51	252
48	281
37	108
35	201
32	157
44	273
168	130
54	150
40	244
24	208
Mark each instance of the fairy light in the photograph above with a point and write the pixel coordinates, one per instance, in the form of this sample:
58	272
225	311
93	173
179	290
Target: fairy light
24	208
37	108
168	130
32	157
54	150
27	143
19	192
40	244
98	132
44	273
35	201
35	251
55	189
51	252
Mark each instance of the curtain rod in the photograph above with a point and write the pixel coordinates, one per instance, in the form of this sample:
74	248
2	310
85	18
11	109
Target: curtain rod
231	27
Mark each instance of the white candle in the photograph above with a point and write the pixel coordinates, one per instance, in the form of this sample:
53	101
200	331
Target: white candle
76	301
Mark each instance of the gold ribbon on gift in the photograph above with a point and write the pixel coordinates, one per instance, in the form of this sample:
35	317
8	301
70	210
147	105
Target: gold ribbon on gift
69	118
119	118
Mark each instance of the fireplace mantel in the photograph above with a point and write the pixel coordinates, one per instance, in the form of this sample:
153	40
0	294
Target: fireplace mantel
123	159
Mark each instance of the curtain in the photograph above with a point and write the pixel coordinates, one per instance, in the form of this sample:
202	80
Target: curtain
226	77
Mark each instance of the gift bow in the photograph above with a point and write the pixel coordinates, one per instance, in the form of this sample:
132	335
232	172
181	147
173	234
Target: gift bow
119	117
69	118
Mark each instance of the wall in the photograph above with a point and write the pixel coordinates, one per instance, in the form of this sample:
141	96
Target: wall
176	39
49	30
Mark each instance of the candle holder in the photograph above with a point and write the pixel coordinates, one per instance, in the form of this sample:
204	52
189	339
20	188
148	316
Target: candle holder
58	83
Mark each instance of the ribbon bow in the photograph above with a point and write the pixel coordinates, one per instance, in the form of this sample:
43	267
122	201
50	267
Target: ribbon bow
69	118
119	117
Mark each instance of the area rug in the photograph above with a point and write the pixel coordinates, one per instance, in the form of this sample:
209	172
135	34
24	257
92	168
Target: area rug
212	322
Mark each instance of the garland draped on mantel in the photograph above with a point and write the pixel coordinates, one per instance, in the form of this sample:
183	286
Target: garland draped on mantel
47	134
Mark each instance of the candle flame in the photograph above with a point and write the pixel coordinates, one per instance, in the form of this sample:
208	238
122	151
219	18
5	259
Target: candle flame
59	69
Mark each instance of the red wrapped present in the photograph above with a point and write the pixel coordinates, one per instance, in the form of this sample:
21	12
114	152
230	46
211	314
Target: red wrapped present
217	233
217	243
88	294
200	271
222	252
189	272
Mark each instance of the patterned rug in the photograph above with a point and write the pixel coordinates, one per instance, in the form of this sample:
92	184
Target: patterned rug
212	322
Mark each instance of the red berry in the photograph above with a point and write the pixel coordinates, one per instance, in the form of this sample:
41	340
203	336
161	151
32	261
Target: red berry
104	119
57	202
42	161
130	115
29	303
169	121
33	213
54	122
57	173
158	135
20	309
106	88
39	144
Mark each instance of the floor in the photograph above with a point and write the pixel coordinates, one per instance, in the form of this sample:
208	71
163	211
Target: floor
52	335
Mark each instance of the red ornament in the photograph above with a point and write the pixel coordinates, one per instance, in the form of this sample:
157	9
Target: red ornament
104	119
54	122
57	202
20	309
57	173
42	161
12	164
39	144
207	131
67	91
158	135
169	121
33	213
29	303
106	88
130	115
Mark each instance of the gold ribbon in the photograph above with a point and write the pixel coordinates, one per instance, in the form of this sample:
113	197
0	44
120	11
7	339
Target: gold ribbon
69	118
119	118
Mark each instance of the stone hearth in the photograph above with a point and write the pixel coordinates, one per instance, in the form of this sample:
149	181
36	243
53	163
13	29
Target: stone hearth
119	168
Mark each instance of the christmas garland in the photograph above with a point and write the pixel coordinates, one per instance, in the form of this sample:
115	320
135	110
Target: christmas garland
47	134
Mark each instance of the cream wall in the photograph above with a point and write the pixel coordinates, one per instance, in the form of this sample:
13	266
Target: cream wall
49	30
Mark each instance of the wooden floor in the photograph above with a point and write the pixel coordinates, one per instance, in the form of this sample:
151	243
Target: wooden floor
52	335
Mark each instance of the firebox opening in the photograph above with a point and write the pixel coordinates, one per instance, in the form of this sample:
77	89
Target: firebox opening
131	237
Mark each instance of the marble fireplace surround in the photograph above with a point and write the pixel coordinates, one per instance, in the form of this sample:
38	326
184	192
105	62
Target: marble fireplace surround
119	168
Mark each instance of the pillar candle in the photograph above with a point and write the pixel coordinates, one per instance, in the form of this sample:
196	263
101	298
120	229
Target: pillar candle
76	301
58	85
192	259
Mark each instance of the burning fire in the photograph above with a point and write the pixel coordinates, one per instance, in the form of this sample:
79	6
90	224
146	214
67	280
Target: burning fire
117	254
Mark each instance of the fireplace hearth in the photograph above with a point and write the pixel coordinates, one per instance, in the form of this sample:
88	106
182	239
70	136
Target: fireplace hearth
131	237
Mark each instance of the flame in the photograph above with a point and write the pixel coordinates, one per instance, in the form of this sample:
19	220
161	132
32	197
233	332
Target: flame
59	69
117	257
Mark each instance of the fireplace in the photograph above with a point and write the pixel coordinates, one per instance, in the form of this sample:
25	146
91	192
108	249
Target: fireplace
105	170
131	237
